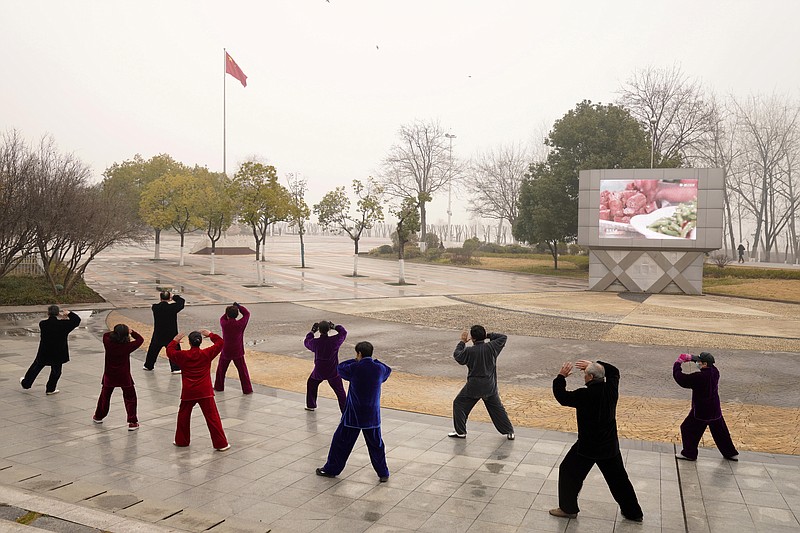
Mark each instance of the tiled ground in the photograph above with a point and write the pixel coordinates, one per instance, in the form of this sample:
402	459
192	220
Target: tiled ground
49	447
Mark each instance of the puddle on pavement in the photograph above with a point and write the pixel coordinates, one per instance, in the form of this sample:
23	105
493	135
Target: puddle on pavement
27	324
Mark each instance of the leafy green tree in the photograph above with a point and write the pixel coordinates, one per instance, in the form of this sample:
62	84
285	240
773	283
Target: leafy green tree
172	201
408	224
129	178
591	136
298	211
262	200
333	212
216	209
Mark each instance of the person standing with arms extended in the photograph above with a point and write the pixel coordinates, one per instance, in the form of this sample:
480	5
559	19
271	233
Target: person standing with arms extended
233	348
53	348
117	373
706	410
326	359
362	414
196	386
481	360
596	410
165	327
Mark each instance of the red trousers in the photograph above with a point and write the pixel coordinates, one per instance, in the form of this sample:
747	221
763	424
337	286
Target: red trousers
128	395
209	408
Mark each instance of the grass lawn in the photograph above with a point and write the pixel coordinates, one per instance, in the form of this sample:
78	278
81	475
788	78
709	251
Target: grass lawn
532	265
24	290
785	290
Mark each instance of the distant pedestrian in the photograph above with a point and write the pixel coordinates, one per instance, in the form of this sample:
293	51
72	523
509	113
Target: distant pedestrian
481	360
53	347
326	359
165	327
596	410
741	249
196	386
117	373
233	348
362	414
706	409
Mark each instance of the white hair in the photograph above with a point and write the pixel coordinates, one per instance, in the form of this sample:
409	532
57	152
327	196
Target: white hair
596	370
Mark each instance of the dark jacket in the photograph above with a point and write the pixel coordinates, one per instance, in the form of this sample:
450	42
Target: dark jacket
53	347
165	319
117	371
363	407
705	391
481	360
596	409
195	366
326	352
233	333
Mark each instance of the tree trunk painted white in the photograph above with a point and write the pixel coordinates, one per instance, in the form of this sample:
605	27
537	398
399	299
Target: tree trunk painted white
402	278
180	263
355	265
157	254
212	264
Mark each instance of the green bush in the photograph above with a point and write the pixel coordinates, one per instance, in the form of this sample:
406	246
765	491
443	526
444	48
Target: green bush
471	244
385	249
713	271
460	256
34	290
494	248
431	241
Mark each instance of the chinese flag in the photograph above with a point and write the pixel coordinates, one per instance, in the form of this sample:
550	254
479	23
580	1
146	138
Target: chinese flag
233	69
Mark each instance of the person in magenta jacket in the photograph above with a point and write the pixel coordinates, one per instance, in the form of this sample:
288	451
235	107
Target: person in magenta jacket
117	373
362	414
706	409
195	364
326	360
233	348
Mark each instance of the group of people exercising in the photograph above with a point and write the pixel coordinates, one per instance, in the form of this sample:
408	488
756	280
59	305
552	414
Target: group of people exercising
595	403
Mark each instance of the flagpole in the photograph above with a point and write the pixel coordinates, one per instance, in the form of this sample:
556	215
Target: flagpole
224	118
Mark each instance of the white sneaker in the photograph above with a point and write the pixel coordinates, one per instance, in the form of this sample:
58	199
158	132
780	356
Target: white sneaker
52	392
176	371
228	447
510	436
148	369
96	421
455	435
310	408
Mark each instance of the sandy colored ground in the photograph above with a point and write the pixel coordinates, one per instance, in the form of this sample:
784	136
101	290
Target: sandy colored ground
787	290
638	417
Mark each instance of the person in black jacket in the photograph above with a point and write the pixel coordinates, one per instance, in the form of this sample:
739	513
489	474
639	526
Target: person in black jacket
481	360
595	407
165	328
53	348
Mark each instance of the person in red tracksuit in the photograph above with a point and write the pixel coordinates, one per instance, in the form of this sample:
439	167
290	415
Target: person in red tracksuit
196	386
117	373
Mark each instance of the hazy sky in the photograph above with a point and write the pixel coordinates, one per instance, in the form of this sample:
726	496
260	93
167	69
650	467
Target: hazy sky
329	83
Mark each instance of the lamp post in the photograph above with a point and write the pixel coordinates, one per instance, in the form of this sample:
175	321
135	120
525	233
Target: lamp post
450	184
652	141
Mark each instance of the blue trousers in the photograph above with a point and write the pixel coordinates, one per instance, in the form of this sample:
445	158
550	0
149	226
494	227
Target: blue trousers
344	438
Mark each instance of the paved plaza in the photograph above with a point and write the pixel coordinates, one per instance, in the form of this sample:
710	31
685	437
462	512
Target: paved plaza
54	461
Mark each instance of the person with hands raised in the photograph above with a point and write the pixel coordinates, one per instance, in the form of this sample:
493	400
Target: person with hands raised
233	348
119	344
595	409
326	358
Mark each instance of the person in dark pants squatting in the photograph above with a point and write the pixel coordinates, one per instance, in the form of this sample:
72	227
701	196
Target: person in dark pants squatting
362	413
706	410
117	373
595	408
326	360
165	327
53	348
481	360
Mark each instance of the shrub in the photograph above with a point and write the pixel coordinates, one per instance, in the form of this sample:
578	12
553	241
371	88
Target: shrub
713	271
472	244
385	249
720	259
431	241
460	256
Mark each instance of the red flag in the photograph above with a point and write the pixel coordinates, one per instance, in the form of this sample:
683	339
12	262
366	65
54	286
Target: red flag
233	69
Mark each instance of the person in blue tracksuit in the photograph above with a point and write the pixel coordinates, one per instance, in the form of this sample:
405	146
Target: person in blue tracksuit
362	413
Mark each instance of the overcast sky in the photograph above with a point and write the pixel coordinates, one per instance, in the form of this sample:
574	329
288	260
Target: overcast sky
330	83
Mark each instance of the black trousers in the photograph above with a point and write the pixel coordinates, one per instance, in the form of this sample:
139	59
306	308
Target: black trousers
573	471
152	354
465	401
33	371
692	431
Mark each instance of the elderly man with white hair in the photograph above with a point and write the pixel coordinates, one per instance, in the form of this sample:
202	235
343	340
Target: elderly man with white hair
595	406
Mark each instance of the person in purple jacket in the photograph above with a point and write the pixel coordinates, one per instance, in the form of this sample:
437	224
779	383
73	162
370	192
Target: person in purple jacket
326	359
362	414
706	410
233	349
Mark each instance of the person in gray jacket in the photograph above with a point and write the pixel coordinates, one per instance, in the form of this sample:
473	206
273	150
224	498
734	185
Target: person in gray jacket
481	360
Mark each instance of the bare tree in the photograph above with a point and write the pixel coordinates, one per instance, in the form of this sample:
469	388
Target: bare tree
494	180
419	164
672	108
17	170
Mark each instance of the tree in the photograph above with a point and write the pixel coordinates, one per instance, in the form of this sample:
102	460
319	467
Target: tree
494	181
408	224
17	173
333	212
672	108
173	201
217	208
298	210
587	137
130	177
262	200
420	163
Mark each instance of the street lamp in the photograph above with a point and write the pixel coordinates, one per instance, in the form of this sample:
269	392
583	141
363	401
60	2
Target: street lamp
652	140
450	184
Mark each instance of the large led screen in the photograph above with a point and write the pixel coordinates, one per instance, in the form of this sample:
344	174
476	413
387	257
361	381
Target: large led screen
648	209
